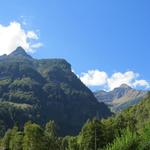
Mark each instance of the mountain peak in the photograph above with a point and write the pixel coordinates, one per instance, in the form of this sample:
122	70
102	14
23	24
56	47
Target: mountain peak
20	52
121	97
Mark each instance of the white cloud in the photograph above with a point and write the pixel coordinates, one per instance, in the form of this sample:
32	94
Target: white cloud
143	83
14	35
101	78
94	78
36	45
32	35
120	78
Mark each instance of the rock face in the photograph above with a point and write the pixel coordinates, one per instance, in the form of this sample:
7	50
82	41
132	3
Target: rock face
43	90
20	52
121	97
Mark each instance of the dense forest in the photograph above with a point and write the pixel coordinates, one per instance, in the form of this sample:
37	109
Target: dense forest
129	130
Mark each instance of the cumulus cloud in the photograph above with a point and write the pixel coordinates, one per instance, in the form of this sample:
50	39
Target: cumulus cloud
94	78
102	79
120	78
32	35
143	83
36	45
14	35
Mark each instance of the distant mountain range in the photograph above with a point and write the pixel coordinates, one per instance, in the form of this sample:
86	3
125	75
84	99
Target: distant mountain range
120	98
43	90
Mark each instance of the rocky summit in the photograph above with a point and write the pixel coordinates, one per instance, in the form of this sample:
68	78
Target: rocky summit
121	97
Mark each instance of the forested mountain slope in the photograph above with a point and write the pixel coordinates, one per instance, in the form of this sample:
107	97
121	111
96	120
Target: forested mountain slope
43	90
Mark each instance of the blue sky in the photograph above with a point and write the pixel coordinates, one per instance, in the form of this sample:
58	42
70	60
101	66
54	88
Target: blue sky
110	36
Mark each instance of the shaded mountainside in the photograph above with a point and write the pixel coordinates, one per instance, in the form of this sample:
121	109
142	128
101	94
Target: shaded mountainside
121	98
42	90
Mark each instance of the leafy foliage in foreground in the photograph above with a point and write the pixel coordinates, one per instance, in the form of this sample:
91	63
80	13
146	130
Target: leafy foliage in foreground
127	141
93	136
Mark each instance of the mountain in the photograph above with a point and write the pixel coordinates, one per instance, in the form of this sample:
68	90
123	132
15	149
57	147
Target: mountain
137	115
121	97
20	52
43	90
